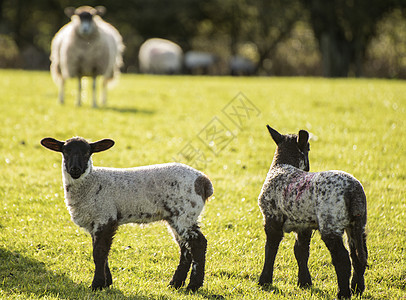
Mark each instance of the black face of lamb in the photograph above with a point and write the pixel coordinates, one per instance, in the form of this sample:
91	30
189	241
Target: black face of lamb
76	152
76	155
292	149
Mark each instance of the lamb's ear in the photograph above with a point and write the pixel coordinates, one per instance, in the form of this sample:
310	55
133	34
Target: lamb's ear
276	136
69	11
101	145
52	144
100	10
303	139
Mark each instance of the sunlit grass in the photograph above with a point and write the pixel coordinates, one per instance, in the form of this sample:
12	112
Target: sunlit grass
357	126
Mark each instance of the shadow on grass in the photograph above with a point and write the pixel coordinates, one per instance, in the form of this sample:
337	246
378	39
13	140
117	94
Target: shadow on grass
201	293
129	110
20	275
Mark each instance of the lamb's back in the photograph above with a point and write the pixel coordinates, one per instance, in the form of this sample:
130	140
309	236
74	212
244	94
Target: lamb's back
146	194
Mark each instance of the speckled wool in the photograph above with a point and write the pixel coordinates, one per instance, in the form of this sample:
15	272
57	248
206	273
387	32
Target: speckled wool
304	200
134	195
294	199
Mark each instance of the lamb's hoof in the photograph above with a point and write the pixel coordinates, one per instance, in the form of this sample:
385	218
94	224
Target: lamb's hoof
264	282
98	285
305	284
193	287
358	287
344	295
176	285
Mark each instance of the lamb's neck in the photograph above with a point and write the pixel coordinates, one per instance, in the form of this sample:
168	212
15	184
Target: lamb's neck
283	159
67	179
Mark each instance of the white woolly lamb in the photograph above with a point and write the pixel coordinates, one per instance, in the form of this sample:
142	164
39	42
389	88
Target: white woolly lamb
100	199
160	56
86	46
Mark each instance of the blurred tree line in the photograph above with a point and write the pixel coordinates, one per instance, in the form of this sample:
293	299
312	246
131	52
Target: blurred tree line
334	38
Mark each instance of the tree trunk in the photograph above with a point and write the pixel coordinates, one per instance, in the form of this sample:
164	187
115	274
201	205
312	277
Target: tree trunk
336	55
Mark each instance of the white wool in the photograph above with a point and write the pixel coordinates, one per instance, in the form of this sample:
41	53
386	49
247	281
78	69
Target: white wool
75	55
160	56
134	195
102	51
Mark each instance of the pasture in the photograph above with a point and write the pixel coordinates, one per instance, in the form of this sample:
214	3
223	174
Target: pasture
216	124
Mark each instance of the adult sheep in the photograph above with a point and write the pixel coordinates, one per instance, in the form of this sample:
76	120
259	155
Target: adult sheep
86	46
160	56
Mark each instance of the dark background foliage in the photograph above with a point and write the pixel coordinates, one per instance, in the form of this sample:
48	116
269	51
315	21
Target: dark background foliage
335	38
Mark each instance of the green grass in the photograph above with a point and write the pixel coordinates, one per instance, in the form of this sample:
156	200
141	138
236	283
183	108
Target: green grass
358	126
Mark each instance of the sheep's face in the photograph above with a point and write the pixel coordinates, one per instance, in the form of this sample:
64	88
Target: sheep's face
87	25
292	149
84	18
76	153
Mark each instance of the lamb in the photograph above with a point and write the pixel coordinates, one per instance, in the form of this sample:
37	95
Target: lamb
293	199
160	56
86	46
101	199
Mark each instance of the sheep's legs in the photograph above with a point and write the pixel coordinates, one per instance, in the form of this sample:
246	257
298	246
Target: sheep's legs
179	278
198	246
341	262
274	235
94	89
104	91
301	250
61	94
193	247
79	98
102	241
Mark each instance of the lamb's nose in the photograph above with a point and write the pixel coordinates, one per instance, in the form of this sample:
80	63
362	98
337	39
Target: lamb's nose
75	172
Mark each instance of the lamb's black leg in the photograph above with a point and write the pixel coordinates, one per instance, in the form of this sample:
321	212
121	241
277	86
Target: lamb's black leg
357	281
179	278
274	235
341	262
198	246
102	240
109	279
301	250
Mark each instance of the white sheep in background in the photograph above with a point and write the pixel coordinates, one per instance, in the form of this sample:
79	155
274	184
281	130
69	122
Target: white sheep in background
160	56
100	199
197	62
86	46
241	66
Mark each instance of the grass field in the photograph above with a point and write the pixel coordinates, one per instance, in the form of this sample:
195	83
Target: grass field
218	125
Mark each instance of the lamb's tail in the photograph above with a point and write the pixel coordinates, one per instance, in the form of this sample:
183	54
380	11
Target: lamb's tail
359	237
358	214
203	187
